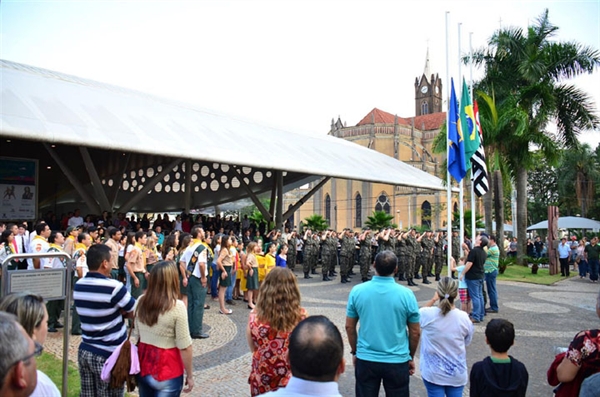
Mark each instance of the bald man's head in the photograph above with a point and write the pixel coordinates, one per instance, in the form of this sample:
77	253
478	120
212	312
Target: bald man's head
316	350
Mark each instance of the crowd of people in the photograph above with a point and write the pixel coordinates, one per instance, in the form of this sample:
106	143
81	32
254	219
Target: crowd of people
154	279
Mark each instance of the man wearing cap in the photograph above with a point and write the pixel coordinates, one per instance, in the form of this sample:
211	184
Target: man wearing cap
364	257
427	245
412	245
564	250
325	255
333	243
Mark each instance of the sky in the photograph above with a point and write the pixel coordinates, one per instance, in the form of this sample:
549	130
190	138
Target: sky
294	65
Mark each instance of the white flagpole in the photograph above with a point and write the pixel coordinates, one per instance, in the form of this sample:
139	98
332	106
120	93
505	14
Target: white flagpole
473	209
461	194
448	179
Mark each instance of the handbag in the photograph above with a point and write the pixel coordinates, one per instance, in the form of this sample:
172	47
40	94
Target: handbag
122	366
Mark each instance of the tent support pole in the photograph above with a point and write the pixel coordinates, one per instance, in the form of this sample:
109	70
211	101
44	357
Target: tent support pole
279	210
95	179
305	198
89	200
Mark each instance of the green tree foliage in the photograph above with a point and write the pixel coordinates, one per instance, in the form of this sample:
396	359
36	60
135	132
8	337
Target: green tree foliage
316	222
467	220
379	220
532	69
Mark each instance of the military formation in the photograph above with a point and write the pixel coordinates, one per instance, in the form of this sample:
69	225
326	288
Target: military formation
421	256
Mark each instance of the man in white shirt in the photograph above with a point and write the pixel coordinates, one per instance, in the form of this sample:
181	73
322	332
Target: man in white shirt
76	219
39	244
54	307
316	357
194	259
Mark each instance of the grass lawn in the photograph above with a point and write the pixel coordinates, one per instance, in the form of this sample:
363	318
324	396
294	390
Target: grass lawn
52	367
523	274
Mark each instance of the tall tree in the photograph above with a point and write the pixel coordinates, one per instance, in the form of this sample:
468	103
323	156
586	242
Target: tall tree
532	68
578	176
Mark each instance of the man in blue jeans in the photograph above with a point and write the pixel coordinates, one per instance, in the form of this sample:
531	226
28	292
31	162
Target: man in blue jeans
474	275
389	334
491	272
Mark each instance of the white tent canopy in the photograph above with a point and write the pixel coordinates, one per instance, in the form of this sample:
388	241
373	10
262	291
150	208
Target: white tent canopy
39	105
569	222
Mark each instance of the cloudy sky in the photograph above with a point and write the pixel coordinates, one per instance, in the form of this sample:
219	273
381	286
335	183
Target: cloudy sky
290	64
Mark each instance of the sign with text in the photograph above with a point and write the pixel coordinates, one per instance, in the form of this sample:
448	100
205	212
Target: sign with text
18	180
51	284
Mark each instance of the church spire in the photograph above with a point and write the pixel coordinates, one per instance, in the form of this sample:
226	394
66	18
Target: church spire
426	71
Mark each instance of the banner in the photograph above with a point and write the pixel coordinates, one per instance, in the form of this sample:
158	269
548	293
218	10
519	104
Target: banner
18	187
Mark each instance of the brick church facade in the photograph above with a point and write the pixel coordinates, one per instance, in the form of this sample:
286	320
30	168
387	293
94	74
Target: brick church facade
347	203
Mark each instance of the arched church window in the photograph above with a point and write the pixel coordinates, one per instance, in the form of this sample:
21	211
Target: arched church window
383	203
424	108
426	214
328	209
358	210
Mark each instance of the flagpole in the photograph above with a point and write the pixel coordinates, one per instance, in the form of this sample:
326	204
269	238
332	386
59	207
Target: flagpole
448	180
461	194
473	211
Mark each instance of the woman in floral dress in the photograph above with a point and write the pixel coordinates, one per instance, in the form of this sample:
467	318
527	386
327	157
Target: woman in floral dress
276	314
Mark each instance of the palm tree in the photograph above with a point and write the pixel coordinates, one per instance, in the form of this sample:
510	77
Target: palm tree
316	222
578	172
467	217
531	69
380	220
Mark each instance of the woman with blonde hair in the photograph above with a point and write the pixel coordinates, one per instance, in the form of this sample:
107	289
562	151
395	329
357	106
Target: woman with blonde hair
163	336
445	334
276	314
33	316
251	269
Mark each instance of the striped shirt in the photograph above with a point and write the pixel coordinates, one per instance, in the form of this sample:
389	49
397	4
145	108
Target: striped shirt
99	301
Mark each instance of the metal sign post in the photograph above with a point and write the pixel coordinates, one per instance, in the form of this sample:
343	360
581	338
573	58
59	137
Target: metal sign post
51	284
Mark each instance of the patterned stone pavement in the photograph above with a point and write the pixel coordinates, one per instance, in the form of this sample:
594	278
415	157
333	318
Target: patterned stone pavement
545	317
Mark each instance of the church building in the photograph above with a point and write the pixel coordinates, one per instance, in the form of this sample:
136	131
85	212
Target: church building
348	203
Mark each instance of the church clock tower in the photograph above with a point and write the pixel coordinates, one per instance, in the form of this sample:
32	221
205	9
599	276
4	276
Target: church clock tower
428	93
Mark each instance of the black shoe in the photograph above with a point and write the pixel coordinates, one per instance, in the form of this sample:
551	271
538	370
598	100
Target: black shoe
230	302
313	271
52	329
200	336
437	277
417	276
491	311
425	281
401	277
345	280
430	274
306	275
325	278
75	332
351	273
411	283
58	326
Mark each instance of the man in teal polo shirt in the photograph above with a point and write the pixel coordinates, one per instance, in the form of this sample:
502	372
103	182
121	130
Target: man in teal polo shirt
389	334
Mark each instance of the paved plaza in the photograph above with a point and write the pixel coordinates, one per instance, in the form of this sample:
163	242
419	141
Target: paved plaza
545	317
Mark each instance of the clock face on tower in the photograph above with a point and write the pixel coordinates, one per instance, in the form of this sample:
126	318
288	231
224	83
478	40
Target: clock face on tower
424	89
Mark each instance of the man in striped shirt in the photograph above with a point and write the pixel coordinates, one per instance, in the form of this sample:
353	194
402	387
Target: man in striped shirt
101	303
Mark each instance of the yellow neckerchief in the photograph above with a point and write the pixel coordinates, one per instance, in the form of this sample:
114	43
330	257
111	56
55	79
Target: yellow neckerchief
58	247
11	248
80	246
142	249
37	237
71	237
207	247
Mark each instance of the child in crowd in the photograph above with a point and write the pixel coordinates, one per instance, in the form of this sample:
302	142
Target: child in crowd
463	292
499	374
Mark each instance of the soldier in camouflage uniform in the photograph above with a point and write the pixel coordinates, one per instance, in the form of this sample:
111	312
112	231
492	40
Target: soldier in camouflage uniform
317	248
438	254
291	255
347	254
310	254
325	255
455	248
411	251
280	240
383	241
427	245
414	241
333	248
364	257
400	249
